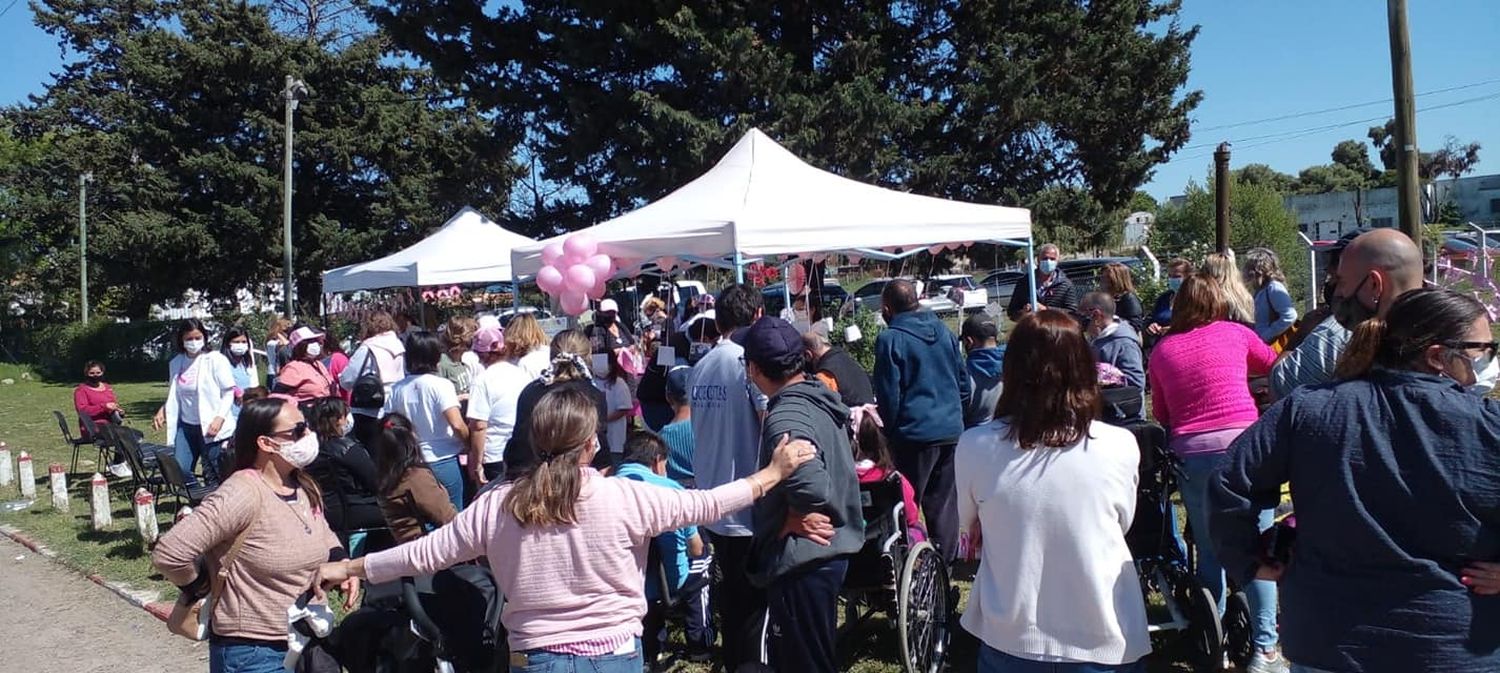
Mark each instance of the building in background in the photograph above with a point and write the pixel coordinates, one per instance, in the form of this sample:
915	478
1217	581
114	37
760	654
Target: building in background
1325	217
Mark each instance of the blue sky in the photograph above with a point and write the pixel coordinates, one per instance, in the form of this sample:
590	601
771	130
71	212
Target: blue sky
1253	60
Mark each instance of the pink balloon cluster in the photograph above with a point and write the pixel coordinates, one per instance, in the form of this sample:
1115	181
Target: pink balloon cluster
574	271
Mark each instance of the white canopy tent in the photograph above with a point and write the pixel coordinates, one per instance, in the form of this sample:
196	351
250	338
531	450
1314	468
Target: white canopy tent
469	248
762	200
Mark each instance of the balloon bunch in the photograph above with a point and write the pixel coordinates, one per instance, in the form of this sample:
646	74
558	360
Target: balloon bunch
574	271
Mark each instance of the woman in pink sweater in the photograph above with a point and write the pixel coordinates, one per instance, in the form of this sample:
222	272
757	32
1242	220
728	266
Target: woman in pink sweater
1200	392
567	546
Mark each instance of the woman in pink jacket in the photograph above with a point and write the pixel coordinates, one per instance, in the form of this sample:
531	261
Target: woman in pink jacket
567	546
1199	376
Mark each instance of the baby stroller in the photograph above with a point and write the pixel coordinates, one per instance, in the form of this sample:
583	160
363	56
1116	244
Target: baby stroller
448	622
1163	565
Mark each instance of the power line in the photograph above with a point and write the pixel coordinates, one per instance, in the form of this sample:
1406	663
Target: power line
7	7
1341	108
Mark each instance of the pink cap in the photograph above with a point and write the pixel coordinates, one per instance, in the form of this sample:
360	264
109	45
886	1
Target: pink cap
489	339
302	334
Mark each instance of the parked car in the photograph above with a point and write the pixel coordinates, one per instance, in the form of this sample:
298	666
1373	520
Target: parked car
959	290
1000	285
506	315
630	297
867	297
833	296
1085	272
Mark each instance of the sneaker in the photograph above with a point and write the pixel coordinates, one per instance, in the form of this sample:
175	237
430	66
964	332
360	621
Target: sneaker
120	470
1268	661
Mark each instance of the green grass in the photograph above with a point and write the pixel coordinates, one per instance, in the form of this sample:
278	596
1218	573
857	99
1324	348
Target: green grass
26	424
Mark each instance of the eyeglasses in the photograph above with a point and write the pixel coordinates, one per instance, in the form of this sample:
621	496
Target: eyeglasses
293	433
1488	347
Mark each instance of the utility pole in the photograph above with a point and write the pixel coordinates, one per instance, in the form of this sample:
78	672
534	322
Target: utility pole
294	92
83	242
1409	190
1221	198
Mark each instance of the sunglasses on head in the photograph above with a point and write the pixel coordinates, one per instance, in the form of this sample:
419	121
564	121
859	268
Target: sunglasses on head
293	433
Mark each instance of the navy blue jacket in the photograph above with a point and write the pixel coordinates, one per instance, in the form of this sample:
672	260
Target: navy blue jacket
920	382
1396	483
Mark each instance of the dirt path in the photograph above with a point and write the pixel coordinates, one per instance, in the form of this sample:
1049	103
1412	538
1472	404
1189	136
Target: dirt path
57	622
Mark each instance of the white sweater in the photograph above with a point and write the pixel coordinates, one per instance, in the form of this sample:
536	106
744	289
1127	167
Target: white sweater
1056	581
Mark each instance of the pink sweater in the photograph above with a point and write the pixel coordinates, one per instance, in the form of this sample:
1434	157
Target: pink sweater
1200	379
565	584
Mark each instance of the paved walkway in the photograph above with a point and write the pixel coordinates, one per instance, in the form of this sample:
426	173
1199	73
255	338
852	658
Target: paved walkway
55	621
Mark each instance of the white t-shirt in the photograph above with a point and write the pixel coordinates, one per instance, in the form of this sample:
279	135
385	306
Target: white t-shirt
470	359
536	362
424	398
492	399
187	393
616	398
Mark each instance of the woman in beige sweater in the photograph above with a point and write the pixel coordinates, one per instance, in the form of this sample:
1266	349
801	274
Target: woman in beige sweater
274	511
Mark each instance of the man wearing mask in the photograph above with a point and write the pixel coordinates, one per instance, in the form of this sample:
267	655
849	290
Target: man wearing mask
1053	288
1113	340
831	363
608	334
1161	314
1374	269
981	338
922	391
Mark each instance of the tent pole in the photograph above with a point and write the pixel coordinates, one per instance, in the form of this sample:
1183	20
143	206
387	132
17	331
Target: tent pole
786	287
1031	269
739	267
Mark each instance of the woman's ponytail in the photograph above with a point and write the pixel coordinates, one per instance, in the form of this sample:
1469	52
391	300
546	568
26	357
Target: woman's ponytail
1363	347
562	423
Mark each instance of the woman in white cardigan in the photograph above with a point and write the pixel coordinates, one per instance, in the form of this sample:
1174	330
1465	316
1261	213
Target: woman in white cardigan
1053	492
199	413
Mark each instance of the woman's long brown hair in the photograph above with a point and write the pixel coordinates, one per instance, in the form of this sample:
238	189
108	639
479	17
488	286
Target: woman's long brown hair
1051	391
258	419
561	424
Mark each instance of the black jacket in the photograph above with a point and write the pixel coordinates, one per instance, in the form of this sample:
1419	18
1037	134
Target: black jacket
518	454
826	484
854	382
346	475
1061	295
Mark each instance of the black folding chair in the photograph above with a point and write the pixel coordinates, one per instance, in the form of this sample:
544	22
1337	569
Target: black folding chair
143	465
77	443
176	483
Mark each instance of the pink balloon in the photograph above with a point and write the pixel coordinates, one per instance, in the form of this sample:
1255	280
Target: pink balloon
552	253
666	263
573	303
580	278
550	279
581	246
597	291
601	265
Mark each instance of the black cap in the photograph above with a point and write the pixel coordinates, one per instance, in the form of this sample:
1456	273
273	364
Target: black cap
772	340
677	383
980	327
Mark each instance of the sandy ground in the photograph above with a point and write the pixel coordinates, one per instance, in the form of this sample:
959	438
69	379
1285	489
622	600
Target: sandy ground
55	621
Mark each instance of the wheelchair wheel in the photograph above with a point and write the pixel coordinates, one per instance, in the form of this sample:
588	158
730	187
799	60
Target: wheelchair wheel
922	610
1205	632
1238	632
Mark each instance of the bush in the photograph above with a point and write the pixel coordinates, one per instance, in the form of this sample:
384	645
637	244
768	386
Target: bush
863	351
129	351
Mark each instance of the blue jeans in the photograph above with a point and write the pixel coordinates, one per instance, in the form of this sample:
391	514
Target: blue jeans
992	660
451	475
542	661
242	657
189	448
1198	471
1299	668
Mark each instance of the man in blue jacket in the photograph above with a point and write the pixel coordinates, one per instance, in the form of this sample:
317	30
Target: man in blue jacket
922	389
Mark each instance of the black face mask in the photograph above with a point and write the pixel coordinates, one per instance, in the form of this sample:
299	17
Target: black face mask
606	319
94	380
1348	311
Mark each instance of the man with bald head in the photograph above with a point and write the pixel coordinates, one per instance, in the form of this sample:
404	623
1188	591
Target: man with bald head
1373	270
921	387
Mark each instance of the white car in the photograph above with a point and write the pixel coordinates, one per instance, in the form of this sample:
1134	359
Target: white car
955	292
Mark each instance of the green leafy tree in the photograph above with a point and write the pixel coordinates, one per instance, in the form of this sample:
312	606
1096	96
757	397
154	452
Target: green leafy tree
1258	218
176	108
1263	175
988	102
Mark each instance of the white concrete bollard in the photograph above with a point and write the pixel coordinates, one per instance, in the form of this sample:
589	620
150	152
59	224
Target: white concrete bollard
27	474
145	516
59	477
7	470
99	502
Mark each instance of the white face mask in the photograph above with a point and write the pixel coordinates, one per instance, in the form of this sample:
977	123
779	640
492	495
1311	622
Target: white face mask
1486	371
301	452
192	346
239	349
314	349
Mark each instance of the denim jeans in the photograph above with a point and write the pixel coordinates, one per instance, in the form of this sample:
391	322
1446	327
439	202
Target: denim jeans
1198	470
189	449
451	475
242	657
1299	668
541	661
992	660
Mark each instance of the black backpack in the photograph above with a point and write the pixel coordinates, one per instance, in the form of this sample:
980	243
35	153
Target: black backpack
369	390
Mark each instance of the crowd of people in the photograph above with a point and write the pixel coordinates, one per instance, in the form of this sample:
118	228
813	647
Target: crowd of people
727	439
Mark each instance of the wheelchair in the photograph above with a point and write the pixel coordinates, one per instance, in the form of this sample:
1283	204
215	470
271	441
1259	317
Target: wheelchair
1166	569
902	578
448	622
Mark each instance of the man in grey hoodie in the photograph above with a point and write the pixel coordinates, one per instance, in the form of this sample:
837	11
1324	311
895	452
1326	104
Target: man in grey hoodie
1114	341
980	335
802	576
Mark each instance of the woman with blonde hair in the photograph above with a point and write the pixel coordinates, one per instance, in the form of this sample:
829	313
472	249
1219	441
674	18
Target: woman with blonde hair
1275	312
1115	280
1240	304
567	546
526	345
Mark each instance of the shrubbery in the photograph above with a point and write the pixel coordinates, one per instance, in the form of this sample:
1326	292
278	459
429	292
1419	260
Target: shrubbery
130	351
